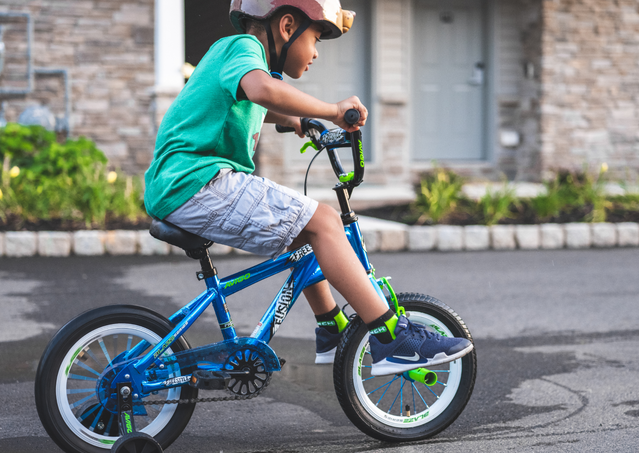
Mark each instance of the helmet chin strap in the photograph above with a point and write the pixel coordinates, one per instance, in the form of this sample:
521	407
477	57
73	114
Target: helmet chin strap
277	64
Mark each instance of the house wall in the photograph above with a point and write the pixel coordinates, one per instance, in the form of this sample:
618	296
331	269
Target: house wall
590	73
107	48
517	43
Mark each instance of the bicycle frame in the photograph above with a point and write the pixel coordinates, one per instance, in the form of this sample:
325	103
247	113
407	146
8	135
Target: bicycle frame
306	272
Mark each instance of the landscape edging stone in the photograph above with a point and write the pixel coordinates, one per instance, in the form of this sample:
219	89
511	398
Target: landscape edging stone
414	238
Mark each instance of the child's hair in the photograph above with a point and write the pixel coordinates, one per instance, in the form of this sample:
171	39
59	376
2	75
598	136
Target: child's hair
257	27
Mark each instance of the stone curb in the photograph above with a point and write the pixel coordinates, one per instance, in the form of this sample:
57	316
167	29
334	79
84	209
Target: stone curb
379	236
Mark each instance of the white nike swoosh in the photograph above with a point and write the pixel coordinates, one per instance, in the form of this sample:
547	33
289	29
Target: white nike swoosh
414	358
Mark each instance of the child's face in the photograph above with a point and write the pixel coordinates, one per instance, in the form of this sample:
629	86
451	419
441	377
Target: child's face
302	52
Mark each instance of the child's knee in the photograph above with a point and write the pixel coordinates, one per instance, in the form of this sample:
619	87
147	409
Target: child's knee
324	220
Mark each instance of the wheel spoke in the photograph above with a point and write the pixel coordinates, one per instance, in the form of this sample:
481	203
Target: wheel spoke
74	391
420	395
87	413
412	390
384	385
82	401
104	350
86	367
81	378
115	345
431	391
380	398
95	359
398	394
97	418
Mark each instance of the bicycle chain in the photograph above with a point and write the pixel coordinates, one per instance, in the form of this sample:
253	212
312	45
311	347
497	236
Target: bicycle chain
171	361
198	400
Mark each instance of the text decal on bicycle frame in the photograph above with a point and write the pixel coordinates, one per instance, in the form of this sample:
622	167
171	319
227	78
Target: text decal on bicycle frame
281	310
300	253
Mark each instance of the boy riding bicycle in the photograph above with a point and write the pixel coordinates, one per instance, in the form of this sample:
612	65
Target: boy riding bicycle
201	176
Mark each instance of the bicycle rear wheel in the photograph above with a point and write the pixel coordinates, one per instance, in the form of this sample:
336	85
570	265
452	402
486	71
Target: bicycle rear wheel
399	408
68	398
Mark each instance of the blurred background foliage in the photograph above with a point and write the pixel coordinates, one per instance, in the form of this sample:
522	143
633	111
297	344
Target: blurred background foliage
43	179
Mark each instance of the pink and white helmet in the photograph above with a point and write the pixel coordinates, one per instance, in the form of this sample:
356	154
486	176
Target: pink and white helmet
329	13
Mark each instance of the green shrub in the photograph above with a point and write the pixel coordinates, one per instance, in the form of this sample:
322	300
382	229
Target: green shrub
438	195
496	206
571	191
44	179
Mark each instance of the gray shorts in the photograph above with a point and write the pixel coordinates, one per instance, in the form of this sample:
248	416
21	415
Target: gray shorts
246	212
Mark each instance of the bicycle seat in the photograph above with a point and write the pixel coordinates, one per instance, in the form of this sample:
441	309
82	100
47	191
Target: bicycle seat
167	232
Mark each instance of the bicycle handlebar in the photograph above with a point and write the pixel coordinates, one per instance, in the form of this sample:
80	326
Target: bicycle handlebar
333	139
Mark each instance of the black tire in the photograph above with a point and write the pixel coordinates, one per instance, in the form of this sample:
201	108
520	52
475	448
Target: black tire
434	409
136	442
61	372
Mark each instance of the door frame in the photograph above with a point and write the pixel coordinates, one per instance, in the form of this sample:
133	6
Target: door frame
488	105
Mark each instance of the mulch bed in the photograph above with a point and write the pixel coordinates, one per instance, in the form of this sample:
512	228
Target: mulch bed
14	223
398	213
525	216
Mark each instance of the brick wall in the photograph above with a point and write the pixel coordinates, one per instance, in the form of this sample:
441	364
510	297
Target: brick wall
590	99
107	47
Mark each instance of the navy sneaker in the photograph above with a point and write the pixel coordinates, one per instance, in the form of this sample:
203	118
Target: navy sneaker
414	347
325	345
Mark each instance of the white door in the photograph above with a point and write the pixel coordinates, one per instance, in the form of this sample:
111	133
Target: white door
342	68
449	81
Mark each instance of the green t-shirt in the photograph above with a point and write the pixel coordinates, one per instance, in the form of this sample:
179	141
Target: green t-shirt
207	127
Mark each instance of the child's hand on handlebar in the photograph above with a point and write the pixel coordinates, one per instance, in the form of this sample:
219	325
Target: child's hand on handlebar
351	103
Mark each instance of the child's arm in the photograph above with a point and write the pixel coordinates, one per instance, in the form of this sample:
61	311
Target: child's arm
285	120
279	97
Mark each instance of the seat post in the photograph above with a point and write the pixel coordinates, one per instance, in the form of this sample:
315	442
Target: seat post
208	270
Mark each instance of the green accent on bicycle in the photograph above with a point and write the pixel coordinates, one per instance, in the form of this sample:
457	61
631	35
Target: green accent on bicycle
361	359
66	372
307	145
347	177
361	154
422	375
127	423
107	442
416	418
384	283
237	280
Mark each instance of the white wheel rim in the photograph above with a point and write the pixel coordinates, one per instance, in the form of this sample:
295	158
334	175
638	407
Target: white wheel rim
445	397
63	380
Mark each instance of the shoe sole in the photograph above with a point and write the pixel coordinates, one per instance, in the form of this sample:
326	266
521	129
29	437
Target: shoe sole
323	358
384	367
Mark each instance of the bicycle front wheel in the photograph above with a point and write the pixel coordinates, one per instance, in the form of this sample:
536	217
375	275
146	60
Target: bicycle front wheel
398	407
70	403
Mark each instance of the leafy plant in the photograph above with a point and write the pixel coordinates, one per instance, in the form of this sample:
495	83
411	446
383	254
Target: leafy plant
44	179
438	195
495	206
571	191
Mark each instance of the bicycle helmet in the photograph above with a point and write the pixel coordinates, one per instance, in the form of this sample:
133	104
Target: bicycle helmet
328	13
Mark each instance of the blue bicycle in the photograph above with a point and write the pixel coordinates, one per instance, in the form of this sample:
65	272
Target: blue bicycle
124	378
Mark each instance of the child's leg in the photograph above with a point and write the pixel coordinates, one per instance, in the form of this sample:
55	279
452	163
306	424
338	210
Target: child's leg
340	266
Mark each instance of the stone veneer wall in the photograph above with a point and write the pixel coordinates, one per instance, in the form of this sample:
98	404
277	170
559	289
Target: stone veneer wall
519	30
107	47
590	73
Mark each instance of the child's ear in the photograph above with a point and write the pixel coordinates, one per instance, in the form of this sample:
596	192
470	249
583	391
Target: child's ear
287	26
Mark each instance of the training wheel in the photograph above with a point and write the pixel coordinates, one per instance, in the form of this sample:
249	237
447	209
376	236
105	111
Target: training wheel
137	442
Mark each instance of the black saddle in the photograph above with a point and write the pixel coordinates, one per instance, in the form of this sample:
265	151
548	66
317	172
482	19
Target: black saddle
191	243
